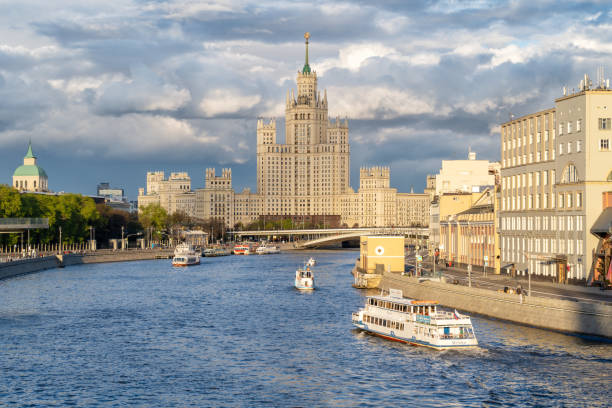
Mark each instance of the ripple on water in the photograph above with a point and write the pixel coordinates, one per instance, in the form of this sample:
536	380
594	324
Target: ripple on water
234	332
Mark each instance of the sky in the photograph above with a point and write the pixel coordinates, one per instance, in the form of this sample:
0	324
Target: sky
108	90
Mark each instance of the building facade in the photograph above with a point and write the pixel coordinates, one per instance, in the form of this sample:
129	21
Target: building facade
30	177
555	166
172	194
307	176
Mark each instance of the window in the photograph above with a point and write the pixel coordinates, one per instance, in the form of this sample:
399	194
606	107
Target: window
560	200
560	129
604	144
604	124
578	125
570	175
578	146
578	200
569	200
569	147
569	127
560	149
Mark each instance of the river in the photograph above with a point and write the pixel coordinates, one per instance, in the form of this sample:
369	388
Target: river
234	332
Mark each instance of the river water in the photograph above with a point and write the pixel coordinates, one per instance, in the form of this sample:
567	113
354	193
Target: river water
234	332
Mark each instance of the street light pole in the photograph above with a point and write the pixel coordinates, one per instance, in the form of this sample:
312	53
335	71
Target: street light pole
122	238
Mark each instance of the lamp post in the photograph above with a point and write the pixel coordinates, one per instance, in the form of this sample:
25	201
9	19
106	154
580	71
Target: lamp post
122	228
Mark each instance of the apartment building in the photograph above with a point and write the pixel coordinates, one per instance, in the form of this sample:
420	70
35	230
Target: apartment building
556	164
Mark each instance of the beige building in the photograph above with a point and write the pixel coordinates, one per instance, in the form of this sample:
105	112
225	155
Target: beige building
465	175
173	194
30	176
309	172
308	175
470	236
555	166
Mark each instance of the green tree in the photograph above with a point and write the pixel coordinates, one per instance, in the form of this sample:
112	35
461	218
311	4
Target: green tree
153	216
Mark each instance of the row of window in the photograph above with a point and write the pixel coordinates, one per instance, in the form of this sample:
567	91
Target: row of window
569	200
383	322
516	249
543	223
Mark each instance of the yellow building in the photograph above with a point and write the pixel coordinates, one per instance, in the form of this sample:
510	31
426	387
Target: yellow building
470	236
381	253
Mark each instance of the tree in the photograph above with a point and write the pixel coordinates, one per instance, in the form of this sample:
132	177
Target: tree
153	216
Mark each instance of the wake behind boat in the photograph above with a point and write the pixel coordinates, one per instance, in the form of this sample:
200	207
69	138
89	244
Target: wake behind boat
185	255
304	279
417	322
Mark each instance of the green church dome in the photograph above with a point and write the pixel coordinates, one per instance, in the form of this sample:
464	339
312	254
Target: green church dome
30	170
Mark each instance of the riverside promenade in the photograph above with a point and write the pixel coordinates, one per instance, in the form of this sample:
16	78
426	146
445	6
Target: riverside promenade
48	261
587	313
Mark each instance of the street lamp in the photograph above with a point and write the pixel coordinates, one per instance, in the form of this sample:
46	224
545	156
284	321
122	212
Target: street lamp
127	237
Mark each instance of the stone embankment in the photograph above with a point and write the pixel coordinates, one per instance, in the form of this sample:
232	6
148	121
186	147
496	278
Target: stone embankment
580	317
26	266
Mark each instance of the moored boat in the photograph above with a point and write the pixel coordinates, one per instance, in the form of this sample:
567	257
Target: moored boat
265	249
417	322
212	252
304	279
242	249
185	255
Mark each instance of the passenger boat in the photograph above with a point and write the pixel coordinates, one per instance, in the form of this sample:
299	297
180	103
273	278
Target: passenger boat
304	279
265	249
311	262
211	252
185	255
241	249
416	322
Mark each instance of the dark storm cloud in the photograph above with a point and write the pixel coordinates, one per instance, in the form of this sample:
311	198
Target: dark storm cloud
178	85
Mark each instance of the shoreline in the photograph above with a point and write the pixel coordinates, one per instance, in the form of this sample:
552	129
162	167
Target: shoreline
571	317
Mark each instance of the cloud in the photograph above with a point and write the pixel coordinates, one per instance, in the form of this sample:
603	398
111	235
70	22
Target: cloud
227	101
377	102
181	82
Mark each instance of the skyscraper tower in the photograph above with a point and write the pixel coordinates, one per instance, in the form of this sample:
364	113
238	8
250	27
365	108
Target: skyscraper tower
306	175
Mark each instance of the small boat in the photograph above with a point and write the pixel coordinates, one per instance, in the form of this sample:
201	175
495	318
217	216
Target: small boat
211	252
241	249
267	249
311	262
185	255
304	279
416	322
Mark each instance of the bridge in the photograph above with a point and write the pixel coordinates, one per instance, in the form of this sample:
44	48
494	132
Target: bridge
12	225
312	238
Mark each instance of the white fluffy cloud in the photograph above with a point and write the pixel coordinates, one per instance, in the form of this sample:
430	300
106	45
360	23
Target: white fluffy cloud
227	101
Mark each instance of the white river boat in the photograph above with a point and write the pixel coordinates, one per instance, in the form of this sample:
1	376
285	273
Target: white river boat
185	255
416	322
304	279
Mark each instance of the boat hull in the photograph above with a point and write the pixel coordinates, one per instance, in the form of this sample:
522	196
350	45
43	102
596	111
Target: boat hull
413	340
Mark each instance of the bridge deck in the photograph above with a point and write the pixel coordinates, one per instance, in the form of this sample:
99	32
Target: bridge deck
20	224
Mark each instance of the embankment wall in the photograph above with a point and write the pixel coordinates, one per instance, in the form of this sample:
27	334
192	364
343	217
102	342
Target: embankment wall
26	266
564	315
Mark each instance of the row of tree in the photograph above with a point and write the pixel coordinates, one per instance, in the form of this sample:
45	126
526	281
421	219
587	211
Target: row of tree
79	216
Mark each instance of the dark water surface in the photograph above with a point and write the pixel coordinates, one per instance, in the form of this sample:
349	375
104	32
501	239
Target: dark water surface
234	332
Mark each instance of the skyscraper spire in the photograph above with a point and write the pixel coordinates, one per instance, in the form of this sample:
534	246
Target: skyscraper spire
306	68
